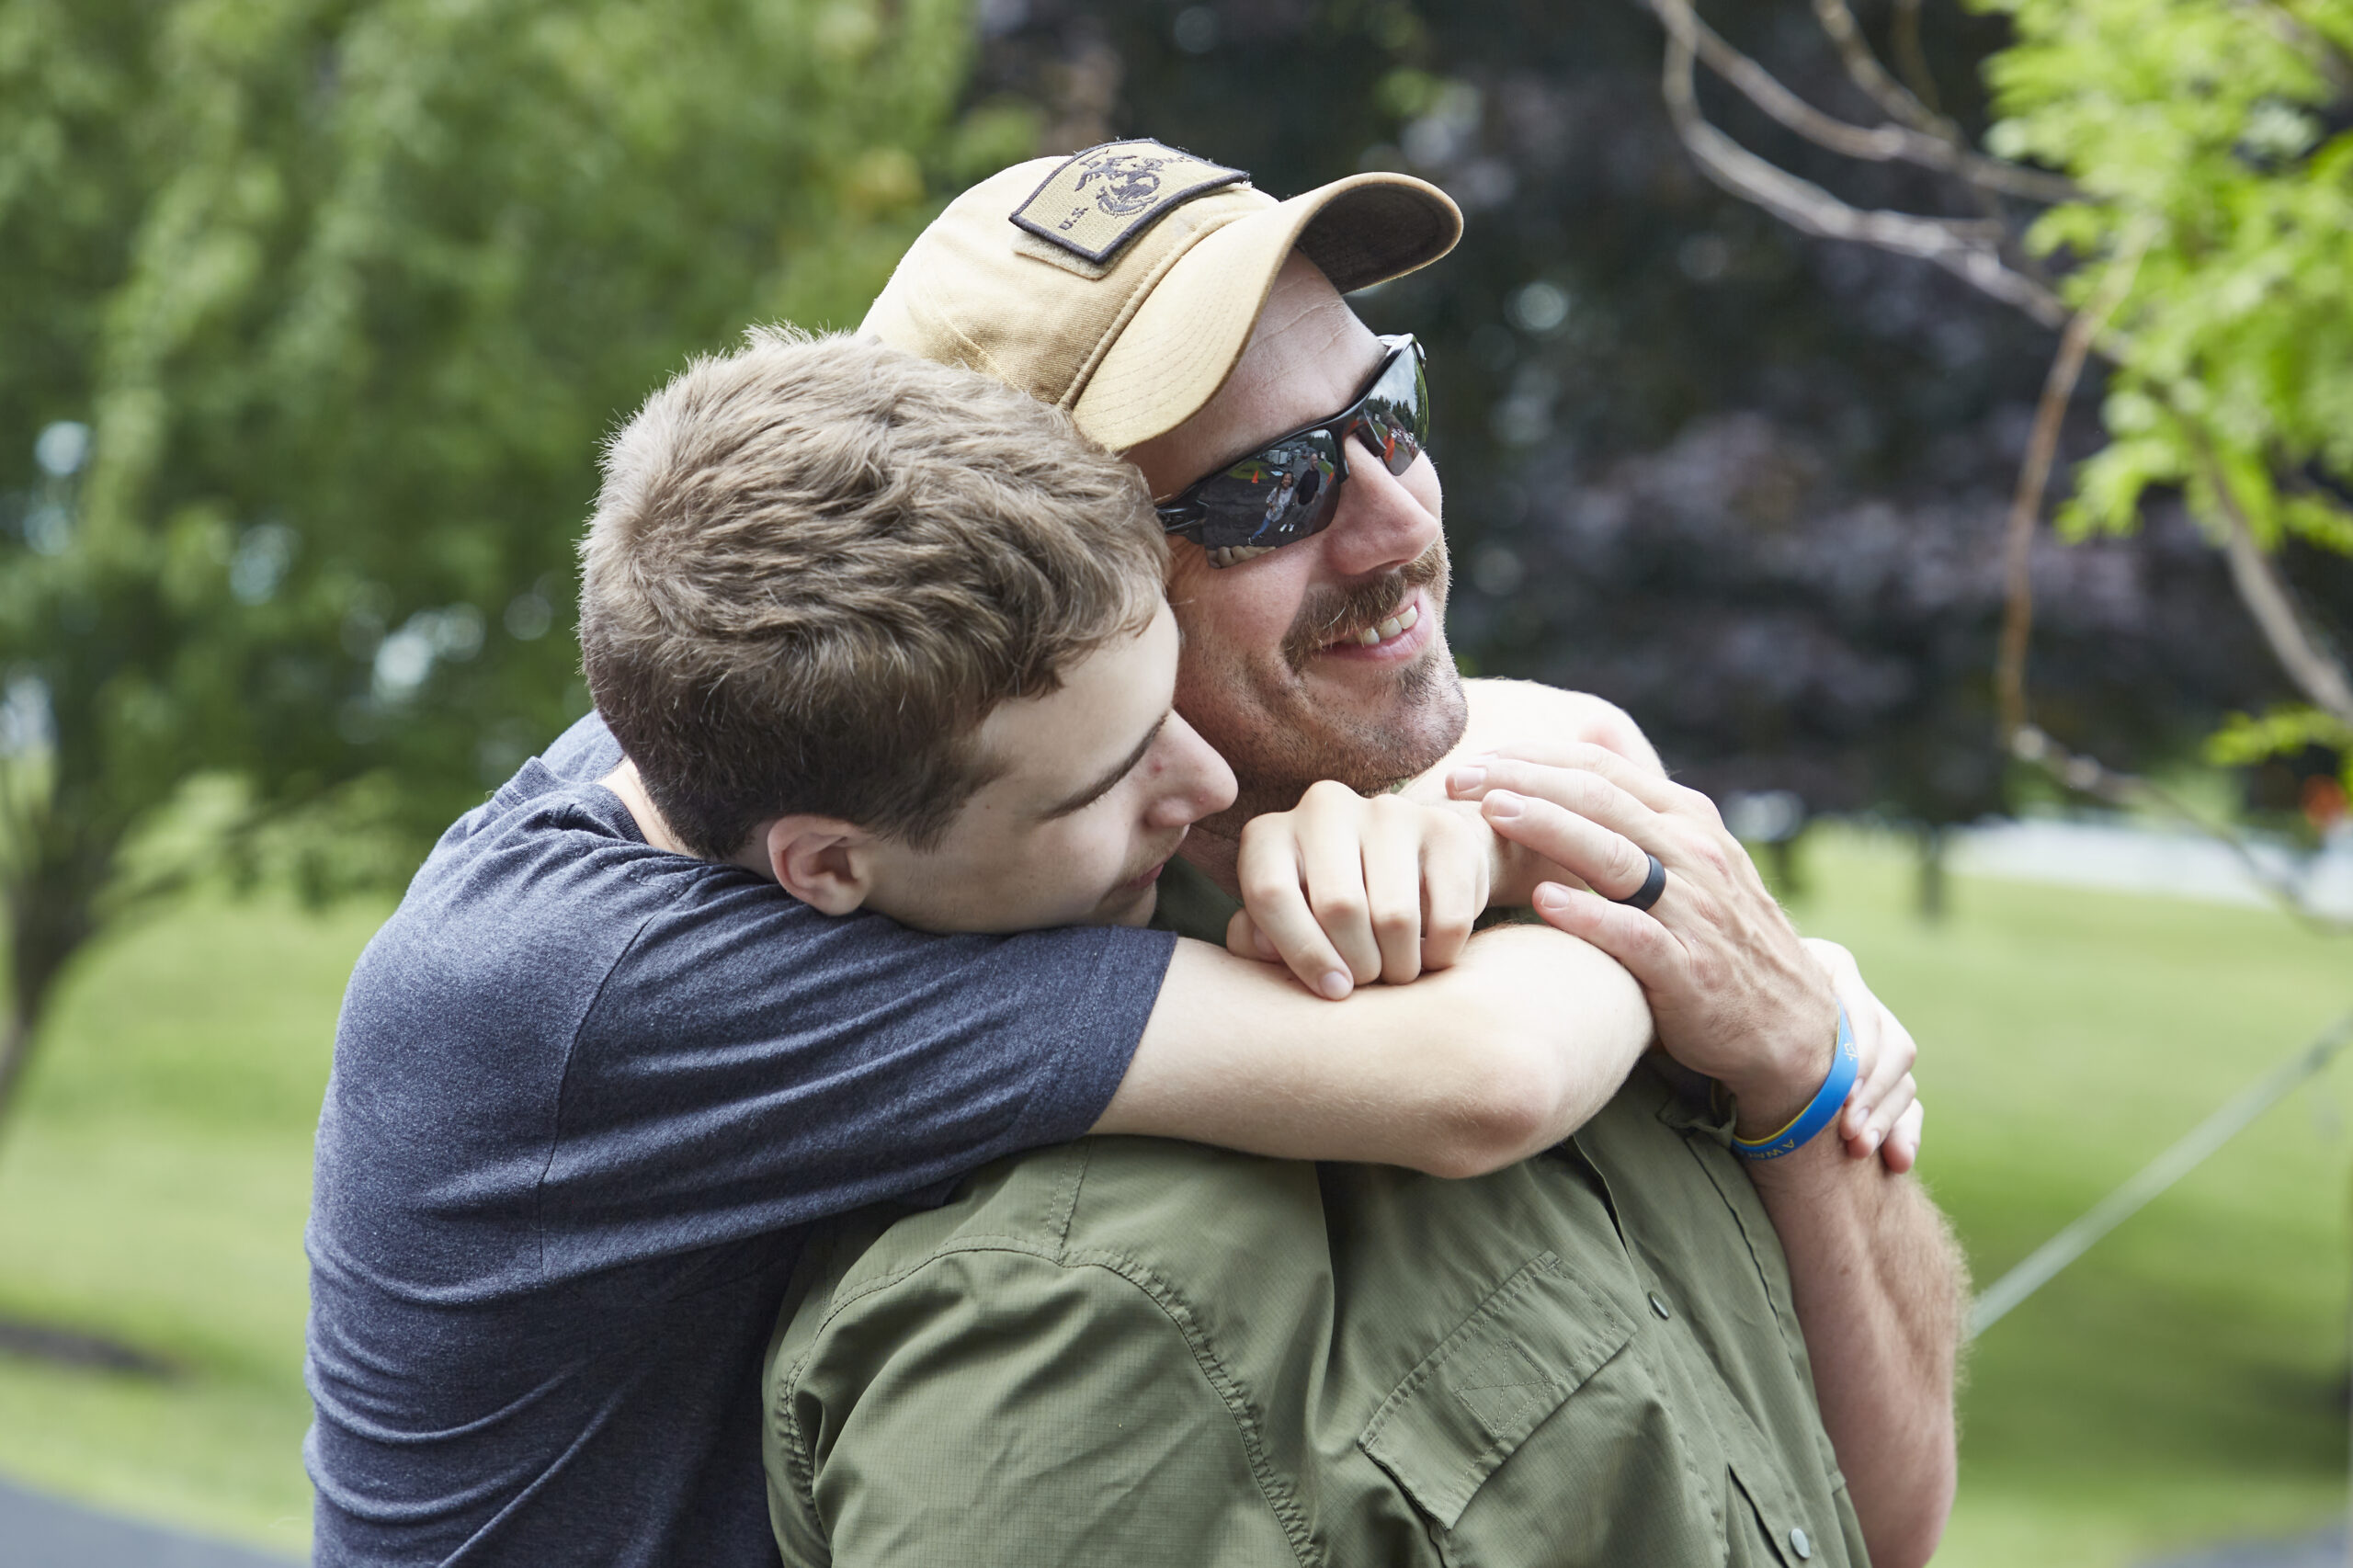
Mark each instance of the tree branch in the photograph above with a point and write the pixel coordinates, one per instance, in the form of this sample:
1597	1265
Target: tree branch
2254	574
2088	776
1878	143
2034	473
1864	71
1971	251
1967	248
1909	56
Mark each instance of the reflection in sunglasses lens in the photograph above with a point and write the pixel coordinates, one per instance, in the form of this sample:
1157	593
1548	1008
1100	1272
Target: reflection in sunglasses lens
1286	491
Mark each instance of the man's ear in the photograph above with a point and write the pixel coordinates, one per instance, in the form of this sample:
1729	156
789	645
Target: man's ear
824	862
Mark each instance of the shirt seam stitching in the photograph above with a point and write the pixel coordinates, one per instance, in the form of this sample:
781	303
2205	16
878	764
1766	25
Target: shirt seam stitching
564	1081
1281	1499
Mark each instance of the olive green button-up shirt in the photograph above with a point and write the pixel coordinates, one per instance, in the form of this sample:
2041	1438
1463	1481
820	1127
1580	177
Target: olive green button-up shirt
1133	1353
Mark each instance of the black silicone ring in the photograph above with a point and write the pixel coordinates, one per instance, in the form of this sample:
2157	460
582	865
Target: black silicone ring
1652	885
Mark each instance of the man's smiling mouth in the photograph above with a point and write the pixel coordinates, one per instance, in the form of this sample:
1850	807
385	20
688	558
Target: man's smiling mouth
1333	623
1409	616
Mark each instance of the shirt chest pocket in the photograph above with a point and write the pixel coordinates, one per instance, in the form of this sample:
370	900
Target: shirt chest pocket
1471	1402
1615	1459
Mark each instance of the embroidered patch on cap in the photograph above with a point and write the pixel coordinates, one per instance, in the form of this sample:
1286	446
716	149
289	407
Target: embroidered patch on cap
1105	197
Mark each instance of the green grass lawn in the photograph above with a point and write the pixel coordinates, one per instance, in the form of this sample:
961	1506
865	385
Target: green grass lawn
2182	1383
153	1186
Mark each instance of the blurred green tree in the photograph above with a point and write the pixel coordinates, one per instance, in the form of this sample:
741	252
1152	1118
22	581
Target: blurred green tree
2203	227
312	315
2211	144
1745	477
2199	227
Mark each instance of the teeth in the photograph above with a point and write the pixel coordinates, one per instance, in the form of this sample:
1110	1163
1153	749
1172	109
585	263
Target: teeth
1373	636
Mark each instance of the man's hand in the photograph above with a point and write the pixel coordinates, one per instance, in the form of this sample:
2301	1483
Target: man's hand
1344	890
1734	992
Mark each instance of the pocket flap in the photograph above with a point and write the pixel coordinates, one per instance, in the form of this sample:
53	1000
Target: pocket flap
1461	1412
1780	1518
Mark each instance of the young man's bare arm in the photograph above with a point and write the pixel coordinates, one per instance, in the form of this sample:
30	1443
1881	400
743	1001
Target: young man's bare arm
1507	1054
1522	712
1463	1072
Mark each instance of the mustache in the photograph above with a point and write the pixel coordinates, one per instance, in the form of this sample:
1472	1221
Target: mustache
1327	614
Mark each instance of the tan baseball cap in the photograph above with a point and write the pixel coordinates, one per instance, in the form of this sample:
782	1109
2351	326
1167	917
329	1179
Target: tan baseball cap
1122	284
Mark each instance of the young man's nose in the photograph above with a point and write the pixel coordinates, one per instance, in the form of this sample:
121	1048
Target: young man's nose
1381	524
1193	780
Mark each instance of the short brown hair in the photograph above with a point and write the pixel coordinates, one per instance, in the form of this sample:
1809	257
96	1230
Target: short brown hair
817	564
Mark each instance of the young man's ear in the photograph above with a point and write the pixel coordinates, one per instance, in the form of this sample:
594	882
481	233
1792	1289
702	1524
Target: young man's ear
824	862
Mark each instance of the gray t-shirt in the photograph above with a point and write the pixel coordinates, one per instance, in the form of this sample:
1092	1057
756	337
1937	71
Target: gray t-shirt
587	1097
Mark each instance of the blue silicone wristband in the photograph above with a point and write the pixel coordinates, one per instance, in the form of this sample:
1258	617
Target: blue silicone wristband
1821	1111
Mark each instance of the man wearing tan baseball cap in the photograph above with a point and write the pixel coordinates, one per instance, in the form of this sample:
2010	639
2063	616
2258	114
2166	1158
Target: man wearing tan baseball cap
1122	284
1682	1337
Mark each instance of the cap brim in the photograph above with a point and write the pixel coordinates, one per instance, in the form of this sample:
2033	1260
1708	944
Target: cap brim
1191	326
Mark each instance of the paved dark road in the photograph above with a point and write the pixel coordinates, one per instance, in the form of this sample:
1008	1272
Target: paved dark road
2325	1550
42	1532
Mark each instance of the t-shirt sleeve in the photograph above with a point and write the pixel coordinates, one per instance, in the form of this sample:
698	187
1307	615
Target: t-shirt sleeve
749	1064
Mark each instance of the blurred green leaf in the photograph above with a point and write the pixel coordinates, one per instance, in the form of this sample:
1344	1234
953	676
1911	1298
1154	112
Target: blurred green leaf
346	292
2213	122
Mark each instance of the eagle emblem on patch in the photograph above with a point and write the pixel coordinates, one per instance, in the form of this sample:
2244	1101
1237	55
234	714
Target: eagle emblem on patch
1125	183
1097	200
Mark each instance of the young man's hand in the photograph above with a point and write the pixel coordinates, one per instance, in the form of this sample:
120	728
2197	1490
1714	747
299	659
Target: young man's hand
1883	1115
1343	890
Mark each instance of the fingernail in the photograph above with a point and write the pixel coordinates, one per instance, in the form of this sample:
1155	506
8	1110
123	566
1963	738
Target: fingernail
1551	895
1503	804
1463	780
1336	985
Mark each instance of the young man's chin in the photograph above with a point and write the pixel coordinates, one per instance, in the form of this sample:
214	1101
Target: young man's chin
1133	902
1124	906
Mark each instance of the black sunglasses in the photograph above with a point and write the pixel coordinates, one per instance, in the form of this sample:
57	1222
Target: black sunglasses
1289	489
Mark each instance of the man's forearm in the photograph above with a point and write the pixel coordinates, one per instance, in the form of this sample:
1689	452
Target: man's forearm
1878	1286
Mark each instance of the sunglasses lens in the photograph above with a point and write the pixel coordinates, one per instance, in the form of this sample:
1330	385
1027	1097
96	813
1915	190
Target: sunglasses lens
1289	491
1269	498
1398	407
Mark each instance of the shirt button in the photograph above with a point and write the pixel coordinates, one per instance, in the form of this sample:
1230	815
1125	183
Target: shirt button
1801	1543
1657	1305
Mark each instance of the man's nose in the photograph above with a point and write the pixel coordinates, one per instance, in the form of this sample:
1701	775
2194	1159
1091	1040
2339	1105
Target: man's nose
1381	525
1194	781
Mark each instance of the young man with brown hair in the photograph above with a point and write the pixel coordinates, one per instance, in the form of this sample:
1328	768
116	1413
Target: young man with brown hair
885	648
